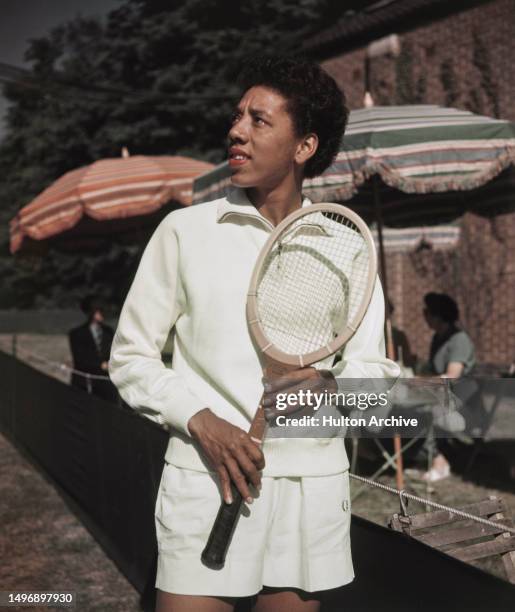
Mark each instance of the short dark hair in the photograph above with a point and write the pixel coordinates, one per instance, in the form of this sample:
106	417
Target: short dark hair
315	102
90	304
443	306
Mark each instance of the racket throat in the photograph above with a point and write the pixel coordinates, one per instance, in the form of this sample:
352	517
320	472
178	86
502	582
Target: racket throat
259	424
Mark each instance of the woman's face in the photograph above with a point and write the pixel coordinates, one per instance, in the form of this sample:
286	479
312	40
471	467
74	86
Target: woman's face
263	147
432	320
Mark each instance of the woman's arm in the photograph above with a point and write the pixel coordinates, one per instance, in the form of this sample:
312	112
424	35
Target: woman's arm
151	308
454	370
149	312
460	352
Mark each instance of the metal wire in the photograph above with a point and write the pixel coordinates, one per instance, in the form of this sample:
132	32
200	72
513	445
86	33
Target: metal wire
404	494
59	366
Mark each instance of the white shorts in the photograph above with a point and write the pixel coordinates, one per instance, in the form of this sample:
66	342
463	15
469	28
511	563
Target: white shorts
295	534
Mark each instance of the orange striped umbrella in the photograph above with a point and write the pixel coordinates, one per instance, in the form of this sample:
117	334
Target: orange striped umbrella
108	189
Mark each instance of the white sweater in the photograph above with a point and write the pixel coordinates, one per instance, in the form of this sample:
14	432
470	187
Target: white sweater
193	277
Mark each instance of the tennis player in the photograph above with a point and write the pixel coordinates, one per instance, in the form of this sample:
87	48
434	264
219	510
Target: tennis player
292	539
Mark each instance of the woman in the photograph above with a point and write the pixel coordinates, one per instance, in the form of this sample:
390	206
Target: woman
194	277
451	356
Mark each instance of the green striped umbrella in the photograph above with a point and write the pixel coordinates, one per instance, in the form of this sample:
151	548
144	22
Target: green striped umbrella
449	155
446	154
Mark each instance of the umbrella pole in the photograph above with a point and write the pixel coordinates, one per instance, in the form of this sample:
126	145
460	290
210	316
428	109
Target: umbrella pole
379	218
389	336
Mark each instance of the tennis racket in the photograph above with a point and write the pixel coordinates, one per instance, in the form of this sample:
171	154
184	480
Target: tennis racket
309	291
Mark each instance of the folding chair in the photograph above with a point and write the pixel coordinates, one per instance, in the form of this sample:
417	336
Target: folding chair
463	538
395	459
390	460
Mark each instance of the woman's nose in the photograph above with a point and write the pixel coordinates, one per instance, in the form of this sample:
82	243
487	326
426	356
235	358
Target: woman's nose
238	132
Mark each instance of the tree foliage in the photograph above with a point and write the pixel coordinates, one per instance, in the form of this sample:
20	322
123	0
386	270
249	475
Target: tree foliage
156	77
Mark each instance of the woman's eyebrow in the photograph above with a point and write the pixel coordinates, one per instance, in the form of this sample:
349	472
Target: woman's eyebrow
254	111
260	111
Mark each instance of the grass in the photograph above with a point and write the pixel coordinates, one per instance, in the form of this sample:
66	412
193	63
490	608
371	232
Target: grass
44	547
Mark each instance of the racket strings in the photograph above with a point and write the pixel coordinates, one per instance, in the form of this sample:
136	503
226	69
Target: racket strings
312	282
296	311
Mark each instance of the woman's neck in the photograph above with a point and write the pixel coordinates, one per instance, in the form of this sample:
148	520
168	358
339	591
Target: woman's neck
277	203
444	328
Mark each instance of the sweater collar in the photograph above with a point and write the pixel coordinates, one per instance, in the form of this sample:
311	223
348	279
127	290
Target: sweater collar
237	204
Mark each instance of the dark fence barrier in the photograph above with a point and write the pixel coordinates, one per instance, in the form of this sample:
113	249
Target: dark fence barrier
108	461
106	458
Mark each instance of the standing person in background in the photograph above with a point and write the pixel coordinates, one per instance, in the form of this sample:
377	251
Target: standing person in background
90	345
451	356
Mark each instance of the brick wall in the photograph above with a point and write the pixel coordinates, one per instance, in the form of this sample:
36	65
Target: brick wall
466	60
479	274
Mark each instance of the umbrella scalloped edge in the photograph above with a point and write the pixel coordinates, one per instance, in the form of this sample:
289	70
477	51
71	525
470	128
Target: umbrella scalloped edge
19	231
394	179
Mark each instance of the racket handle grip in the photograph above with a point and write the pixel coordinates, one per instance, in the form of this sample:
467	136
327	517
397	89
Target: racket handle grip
214	553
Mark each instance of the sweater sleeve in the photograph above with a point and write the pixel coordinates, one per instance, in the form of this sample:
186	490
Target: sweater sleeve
364	354
461	350
150	310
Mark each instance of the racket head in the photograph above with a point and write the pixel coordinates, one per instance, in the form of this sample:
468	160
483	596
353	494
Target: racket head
312	284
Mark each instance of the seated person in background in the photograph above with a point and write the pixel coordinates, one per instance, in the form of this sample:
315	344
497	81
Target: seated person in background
451	356
401	345
90	345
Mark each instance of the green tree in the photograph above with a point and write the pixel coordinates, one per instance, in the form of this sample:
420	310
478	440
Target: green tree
155	78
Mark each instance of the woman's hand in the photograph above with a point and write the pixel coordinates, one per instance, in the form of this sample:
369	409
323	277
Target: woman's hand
230	451
303	383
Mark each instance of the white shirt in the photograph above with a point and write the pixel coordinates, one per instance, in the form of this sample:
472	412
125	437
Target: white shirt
194	277
97	332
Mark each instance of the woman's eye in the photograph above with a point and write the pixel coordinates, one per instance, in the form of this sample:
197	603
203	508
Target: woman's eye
259	120
235	117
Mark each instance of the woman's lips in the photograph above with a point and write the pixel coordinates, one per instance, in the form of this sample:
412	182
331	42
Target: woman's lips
237	156
235	162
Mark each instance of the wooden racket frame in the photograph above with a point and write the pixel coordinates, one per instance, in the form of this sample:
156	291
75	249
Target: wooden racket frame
278	363
301	361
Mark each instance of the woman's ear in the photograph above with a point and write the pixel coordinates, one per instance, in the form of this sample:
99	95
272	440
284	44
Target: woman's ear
306	148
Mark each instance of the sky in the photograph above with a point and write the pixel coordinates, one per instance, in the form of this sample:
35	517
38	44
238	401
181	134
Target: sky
21	20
